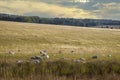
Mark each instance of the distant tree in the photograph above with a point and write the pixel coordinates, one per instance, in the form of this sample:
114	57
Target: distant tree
60	21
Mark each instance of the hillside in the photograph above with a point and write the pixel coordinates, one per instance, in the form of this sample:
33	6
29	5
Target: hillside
31	38
72	52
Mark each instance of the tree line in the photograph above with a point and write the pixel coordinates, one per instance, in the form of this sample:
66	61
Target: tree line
59	21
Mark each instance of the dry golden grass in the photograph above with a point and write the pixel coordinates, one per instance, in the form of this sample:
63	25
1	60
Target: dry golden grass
30	38
27	39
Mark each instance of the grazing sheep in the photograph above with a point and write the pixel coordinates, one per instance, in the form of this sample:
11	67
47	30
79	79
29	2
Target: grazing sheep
83	62
11	52
82	59
43	53
19	61
47	57
36	58
32	58
95	57
109	55
35	61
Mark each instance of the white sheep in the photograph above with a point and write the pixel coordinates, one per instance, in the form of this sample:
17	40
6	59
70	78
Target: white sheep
82	59
11	52
43	53
83	62
35	61
47	56
19	61
109	55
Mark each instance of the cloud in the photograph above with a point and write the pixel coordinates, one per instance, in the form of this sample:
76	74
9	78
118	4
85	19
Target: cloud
108	10
33	7
63	8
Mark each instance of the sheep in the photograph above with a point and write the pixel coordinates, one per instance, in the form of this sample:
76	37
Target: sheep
83	62
35	61
109	55
32	57
82	59
11	52
36	58
19	61
47	56
95	57
43	53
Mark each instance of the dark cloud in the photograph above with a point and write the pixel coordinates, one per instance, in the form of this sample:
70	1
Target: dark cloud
86	6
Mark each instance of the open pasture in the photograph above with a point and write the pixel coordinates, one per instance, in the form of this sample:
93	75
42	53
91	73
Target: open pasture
21	41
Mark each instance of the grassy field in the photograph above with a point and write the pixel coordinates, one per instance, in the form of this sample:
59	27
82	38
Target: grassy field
27	39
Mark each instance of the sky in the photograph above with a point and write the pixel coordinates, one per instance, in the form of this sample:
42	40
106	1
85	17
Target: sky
95	9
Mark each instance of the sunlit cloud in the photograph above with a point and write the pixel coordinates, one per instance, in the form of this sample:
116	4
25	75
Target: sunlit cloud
81	1
63	8
26	7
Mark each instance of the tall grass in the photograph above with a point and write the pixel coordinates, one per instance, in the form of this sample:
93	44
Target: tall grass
60	69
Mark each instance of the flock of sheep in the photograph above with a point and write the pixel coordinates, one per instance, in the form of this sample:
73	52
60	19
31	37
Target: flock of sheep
44	56
83	60
35	59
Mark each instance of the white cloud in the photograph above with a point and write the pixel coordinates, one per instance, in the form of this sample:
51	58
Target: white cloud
26	7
